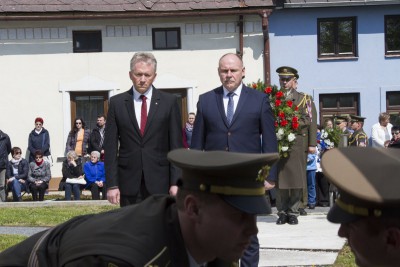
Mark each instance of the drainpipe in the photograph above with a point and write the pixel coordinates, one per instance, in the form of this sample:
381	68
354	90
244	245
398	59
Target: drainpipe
267	58
240	24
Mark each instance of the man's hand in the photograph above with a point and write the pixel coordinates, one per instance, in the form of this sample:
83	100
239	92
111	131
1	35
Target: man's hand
113	196
269	185
173	190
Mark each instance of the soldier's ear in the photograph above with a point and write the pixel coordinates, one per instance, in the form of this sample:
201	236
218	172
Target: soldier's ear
191	205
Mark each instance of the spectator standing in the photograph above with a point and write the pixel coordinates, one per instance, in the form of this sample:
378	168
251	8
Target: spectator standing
395	141
96	139
95	176
235	118
188	130
197	228
78	138
292	194
17	174
312	159
368	207
143	124
381	130
321	182
358	137
5	149
72	168
39	139
39	176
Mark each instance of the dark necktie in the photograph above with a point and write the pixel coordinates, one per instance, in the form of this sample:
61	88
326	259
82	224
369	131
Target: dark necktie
229	109
143	116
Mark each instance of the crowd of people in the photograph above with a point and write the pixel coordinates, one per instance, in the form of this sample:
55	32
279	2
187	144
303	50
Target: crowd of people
32	176
215	161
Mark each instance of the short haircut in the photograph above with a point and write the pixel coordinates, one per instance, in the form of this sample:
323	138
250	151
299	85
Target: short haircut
102	116
143	57
96	154
14	150
72	154
39	153
383	116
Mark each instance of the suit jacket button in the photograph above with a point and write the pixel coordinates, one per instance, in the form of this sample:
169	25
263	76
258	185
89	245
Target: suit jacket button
229	133
227	148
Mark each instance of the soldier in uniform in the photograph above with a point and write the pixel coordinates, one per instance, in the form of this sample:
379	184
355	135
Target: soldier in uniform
358	137
292	181
210	221
368	207
341	124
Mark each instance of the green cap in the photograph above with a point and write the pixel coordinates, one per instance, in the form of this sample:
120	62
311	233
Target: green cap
287	72
355	118
367	182
234	176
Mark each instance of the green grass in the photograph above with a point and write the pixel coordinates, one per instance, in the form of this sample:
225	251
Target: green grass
46	216
345	258
7	241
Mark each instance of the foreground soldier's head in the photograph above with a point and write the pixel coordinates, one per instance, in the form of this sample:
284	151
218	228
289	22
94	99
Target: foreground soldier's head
368	207
218	199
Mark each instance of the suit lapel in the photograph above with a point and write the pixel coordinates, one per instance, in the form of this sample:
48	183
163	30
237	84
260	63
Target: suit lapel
128	101
219	94
240	105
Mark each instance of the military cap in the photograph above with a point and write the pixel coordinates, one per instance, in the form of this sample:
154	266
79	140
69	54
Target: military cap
368	184
236	177
287	72
354	118
339	119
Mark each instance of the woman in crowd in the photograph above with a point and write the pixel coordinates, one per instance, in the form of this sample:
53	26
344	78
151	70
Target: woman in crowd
72	169
17	174
39	139
95	176
78	138
39	176
188	130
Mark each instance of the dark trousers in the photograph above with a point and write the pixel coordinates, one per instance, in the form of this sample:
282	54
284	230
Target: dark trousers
72	188
130	200
95	189
322	189
251	255
38	190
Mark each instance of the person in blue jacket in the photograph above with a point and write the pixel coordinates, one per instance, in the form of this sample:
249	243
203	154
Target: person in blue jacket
95	176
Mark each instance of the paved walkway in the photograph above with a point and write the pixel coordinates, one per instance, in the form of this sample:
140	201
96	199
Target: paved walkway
313	242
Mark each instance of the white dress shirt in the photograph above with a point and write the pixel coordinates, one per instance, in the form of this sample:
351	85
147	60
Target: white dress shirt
236	96
137	101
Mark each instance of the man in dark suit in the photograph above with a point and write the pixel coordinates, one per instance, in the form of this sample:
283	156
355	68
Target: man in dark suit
209	223
235	118
143	125
292	179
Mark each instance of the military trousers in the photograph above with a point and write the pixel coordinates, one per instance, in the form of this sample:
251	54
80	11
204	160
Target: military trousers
288	200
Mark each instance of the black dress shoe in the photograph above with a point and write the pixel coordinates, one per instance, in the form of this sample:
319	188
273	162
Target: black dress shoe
283	218
292	219
311	206
302	212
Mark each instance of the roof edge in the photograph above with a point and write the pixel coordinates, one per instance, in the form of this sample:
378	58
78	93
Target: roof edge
129	14
341	4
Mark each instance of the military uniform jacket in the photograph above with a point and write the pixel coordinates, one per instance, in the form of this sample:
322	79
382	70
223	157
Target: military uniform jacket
147	234
292	170
358	138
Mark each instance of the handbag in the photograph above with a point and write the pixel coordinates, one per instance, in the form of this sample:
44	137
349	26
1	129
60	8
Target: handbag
75	181
49	159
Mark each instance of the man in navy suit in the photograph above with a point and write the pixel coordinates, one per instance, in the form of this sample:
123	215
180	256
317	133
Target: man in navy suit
235	118
143	125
